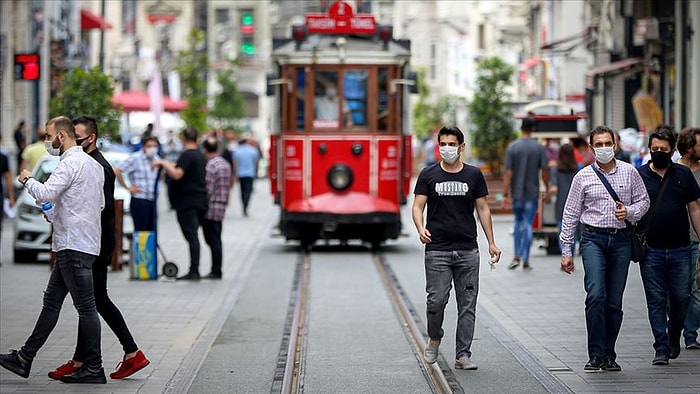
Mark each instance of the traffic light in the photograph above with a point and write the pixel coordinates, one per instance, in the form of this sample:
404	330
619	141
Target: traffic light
247	33
27	66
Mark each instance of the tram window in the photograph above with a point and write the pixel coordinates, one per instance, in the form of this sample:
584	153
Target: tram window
355	94
383	99
301	88
327	103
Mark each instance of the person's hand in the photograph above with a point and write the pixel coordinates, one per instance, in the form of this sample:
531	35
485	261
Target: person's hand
24	175
156	164
620	211
567	264
133	189
494	254
505	201
424	236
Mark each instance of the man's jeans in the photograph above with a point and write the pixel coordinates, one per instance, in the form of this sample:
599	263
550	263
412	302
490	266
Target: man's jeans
441	268
72	274
606	261
524	211
143	213
692	319
212	236
665	275
189	220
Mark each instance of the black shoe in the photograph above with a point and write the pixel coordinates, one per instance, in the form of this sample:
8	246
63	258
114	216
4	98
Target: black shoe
212	276
661	358
13	363
675	349
594	364
610	365
526	266
190	276
85	375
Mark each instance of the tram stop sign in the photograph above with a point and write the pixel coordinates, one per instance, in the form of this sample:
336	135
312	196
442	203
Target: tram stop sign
341	20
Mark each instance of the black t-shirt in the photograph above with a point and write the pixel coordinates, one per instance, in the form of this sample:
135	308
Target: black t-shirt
669	227
190	191
107	219
450	217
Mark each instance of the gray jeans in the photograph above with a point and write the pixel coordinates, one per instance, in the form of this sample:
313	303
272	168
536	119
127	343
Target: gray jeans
441	269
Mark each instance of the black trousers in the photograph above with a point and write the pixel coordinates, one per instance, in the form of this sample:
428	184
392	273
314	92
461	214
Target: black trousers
212	236
189	220
106	308
246	191
143	213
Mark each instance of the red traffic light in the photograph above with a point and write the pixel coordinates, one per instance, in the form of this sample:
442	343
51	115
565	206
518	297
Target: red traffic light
27	66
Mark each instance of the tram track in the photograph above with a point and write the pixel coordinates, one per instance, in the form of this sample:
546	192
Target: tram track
290	369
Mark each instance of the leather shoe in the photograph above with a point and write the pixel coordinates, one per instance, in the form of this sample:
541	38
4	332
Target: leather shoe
212	276
610	365
85	375
661	358
675	349
13	363
594	364
190	276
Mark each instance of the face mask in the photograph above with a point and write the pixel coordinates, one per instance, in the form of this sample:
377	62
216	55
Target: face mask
151	152
449	154
661	159
604	155
51	150
331	93
80	141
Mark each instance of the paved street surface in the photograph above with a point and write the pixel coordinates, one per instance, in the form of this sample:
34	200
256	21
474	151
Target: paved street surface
224	336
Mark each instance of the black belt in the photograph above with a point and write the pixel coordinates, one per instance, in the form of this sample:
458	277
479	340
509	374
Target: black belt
605	230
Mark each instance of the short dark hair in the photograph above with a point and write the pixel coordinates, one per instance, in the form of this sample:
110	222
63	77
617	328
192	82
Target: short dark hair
601	130
686	139
528	124
144	140
190	134
89	122
451	130
665	133
210	145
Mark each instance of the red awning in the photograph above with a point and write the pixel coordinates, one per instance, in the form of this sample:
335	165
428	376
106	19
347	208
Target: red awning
529	63
89	21
132	100
612	68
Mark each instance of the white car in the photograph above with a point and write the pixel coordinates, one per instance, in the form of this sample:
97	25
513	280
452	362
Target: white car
33	232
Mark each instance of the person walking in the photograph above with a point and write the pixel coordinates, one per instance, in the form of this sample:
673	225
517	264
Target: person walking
665	271
75	188
134	360
143	183
20	142
246	159
452	191
33	152
188	195
560	183
526	159
218	181
689	147
7	182
606	241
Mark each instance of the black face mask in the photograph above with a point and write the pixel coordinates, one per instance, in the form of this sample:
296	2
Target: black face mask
80	141
661	159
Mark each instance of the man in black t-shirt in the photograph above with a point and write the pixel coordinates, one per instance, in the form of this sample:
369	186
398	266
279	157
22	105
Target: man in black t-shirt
452	191
7	180
188	195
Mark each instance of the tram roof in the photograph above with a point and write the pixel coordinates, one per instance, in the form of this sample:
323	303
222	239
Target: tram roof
327	50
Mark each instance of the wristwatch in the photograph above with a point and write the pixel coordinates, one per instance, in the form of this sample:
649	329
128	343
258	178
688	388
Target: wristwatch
26	178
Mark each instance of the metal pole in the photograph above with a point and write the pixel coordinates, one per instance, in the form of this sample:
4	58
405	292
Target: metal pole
102	39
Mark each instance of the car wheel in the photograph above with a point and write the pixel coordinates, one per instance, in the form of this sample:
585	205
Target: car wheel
25	256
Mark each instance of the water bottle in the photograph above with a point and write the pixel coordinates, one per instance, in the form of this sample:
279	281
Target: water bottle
47	207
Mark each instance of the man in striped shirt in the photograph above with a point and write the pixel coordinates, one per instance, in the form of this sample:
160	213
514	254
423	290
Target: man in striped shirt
143	178
218	179
606	243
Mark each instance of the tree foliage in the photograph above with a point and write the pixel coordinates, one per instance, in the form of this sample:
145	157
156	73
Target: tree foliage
228	103
427	116
492	123
87	93
192	66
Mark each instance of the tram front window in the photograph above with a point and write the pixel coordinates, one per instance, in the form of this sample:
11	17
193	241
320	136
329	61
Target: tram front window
327	102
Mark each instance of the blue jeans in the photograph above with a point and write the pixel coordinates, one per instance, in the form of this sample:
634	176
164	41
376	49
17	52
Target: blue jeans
665	275
524	211
72	274
692	318
246	191
143	213
441	269
606	261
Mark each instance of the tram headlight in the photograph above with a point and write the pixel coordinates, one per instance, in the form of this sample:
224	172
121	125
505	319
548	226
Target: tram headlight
340	177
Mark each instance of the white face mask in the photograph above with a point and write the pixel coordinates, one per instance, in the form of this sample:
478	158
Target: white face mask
449	154
604	155
51	150
151	152
331	93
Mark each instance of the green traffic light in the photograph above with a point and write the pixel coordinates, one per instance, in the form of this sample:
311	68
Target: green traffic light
247	19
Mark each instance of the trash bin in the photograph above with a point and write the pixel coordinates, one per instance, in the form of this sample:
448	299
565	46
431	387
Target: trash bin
144	262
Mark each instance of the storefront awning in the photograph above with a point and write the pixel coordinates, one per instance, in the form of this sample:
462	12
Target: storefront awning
567	44
613	68
530	63
132	100
89	21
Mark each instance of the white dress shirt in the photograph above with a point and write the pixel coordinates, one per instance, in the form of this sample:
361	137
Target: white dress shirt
76	190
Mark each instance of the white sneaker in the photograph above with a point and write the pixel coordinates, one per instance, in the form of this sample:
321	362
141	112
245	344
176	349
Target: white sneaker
465	362
431	351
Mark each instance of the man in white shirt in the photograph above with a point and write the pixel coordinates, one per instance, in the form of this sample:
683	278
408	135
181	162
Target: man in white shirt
326	107
75	188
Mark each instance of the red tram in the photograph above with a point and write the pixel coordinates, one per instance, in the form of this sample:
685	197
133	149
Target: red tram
340	153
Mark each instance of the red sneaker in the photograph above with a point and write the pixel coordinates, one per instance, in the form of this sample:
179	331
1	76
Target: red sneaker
129	367
66	369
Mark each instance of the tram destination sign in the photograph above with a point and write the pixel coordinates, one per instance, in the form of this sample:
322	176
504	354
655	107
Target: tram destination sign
341	20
